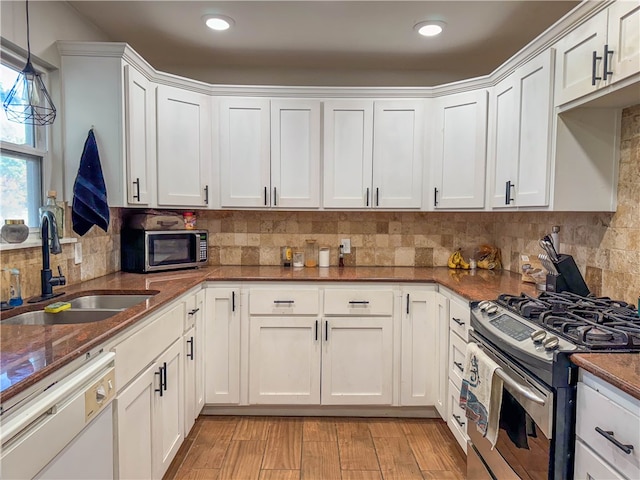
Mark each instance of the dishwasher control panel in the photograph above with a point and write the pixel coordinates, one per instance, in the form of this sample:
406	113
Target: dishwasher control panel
99	394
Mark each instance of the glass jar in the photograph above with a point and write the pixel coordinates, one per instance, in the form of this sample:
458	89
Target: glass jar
287	256
14	231
323	257
310	253
298	259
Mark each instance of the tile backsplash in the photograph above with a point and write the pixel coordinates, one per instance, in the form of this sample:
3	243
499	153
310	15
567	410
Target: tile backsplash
606	246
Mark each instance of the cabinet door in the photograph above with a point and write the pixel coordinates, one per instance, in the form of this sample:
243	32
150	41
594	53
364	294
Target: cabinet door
184	147
244	153
140	134
199	352
418	377
295	153
442	347
503	142
357	361
398	154
284	364
189	346
136	426
590	466
348	153
624	39
460	150
535	93
579	59
169	410
222	340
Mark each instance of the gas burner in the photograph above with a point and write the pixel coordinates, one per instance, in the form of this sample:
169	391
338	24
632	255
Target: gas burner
594	334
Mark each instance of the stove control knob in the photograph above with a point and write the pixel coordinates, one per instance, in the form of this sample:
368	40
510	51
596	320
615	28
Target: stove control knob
483	305
538	336
551	343
491	309
100	394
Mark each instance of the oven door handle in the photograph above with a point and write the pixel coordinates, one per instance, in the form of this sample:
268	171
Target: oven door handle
523	390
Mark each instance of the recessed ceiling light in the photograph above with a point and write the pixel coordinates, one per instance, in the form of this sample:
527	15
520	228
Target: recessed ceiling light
218	22
429	28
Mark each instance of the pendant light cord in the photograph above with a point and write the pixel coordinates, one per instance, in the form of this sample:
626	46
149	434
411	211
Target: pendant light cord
28	36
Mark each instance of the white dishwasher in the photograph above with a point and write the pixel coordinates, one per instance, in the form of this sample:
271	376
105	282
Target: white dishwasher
66	431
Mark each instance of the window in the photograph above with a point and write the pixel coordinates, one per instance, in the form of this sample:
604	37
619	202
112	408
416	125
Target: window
20	162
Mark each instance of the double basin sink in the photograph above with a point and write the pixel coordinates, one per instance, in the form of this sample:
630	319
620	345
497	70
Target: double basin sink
86	308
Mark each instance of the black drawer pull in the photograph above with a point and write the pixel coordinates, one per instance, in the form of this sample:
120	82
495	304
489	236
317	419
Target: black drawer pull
326	330
190	343
137	194
164	374
233	301
160	389
358	302
609	436
407	304
194	311
316	330
594	61
459	365
284	301
457	419
458	321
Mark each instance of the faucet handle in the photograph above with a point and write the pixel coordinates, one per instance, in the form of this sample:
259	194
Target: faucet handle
61	280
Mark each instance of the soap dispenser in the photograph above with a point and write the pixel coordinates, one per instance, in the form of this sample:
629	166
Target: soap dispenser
15	292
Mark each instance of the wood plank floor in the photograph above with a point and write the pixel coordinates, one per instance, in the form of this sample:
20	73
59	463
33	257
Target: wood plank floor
314	448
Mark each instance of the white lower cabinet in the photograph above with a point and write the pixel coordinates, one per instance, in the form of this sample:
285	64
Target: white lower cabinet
193	341
150	418
442	351
222	346
456	419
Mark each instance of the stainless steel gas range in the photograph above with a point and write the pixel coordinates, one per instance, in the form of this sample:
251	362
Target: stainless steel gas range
531	339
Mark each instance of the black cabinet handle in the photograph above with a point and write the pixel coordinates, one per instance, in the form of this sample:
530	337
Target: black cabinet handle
137	194
609	436
435	197
407	304
459	365
316	330
457	419
289	302
605	57
507	196
377	197
458	321
326	330
358	302
190	354
233	301
367	196
594	60
164	374
194	311
161	386
275	198
265	196
206	195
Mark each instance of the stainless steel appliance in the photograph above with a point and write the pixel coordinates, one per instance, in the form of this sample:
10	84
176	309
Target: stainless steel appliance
531	339
145	251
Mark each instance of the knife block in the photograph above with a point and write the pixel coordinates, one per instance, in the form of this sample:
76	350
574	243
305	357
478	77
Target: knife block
569	279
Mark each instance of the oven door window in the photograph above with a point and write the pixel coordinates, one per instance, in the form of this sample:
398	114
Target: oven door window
521	441
171	249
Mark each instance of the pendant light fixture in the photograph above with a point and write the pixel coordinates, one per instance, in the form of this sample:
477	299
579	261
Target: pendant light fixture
28	101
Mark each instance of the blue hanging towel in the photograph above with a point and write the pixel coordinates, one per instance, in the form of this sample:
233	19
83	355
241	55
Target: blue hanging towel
89	191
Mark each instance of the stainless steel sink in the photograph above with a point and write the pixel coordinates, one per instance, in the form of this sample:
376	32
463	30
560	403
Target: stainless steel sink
107	302
65	317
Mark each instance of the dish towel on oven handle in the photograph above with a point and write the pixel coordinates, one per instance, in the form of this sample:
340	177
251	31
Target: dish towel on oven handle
481	392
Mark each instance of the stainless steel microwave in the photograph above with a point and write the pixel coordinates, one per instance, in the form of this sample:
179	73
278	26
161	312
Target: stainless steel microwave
145	251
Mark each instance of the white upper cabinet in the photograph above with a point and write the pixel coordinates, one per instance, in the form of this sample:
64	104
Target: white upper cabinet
295	153
140	128
184	147
600	52
244	152
519	134
373	153
348	153
270	153
459	150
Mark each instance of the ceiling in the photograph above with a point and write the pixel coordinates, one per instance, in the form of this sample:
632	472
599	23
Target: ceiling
365	43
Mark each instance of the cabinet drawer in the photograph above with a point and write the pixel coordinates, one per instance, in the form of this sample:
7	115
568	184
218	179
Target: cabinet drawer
594	410
284	302
456	419
140	349
457	353
459	317
589	465
358	302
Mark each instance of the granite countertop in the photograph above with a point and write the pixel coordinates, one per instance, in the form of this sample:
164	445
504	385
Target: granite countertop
619	369
29	353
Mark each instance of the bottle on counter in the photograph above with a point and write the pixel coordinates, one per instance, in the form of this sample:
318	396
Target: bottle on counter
341	256
58	212
15	291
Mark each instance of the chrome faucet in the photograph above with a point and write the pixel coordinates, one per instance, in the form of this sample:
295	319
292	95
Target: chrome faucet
48	281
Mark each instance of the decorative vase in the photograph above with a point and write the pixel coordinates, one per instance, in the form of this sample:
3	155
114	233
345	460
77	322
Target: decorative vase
14	231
